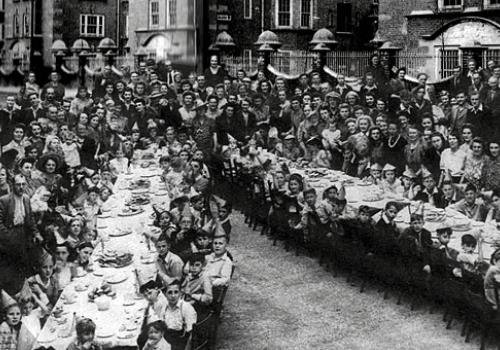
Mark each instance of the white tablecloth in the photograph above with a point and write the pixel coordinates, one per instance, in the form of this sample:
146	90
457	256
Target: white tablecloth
120	325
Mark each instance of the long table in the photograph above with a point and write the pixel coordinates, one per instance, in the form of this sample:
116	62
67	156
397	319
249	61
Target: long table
119	325
357	191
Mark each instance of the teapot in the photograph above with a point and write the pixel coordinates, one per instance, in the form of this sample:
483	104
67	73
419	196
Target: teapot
103	302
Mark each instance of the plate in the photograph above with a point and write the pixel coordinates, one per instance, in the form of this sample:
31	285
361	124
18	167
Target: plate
116	278
102	226
126	335
131	213
128	302
119	233
47	337
104	333
105	215
98	273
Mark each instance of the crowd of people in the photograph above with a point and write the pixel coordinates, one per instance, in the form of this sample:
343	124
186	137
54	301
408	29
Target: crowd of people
61	155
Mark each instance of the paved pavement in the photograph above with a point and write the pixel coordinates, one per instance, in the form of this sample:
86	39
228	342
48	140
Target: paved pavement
279	301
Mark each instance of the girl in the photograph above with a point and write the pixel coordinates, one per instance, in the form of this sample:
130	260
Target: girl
408	182
156	340
33	310
63	267
317	156
119	164
75	230
83	252
44	284
14	334
389	184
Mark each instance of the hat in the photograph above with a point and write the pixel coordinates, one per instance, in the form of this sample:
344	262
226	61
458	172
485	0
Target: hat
7	300
334	95
376	166
151	284
314	141
443	228
389	167
426	173
409	173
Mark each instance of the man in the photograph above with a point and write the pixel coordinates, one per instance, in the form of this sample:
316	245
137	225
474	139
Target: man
141	118
369	87
477	84
480	117
33	112
459	82
17	233
188	110
59	89
458	115
342	88
490	95
430	91
50	99
245	122
169	265
201	89
7	114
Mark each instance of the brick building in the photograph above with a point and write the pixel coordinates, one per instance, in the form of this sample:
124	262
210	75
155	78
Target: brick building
32	26
449	31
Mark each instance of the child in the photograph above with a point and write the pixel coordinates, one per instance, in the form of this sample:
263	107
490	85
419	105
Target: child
156	332
63	267
490	280
71	152
467	258
202	242
83	252
45	284
408	182
155	298
85	332
168	264
178	331
415	241
389	184
33	310
224	218
317	156
91	207
219	266
119	164
14	335
196	287
444	234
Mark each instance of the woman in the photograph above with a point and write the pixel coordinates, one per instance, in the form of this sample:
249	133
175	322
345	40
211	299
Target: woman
394	147
47	174
415	149
25	168
74	232
289	149
474	163
376	144
81	102
452	160
360	141
491	169
398	83
420	105
4	183
310	127
432	158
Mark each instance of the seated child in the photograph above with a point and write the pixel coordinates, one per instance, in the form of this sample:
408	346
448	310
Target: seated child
364	226
202	242
179	317
85	333
219	266
196	286
491	279
45	284
169	264
224	218
63	268
163	220
416	241
467	258
444	234
309	220
83	252
156	336
14	335
33	310
155	298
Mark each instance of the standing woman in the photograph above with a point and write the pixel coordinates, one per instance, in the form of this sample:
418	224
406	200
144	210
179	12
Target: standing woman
474	163
432	157
394	147
25	167
377	142
415	149
4	181
214	74
491	169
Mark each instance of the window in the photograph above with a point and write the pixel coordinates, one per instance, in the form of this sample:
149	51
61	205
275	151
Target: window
305	13
26	25
92	25
247	59
247	9
284	13
344	17
172	12
450	4
15	25
491	3
154	13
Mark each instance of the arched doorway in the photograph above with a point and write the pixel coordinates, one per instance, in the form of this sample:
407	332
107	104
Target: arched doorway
158	46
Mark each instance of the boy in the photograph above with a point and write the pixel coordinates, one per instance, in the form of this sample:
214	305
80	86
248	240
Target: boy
218	265
202	243
85	332
169	265
196	287
467	258
155	298
155	332
309	219
469	205
179	317
416	241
